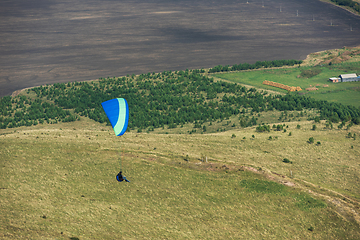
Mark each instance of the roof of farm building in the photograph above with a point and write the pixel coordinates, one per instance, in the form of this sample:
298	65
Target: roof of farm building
350	75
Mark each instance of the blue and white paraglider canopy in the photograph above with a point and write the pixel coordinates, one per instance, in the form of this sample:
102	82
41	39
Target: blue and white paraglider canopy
117	111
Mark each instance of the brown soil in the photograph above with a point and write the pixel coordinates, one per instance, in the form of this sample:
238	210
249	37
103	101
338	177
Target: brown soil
48	42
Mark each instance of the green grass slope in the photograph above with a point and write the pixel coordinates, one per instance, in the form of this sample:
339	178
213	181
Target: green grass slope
58	182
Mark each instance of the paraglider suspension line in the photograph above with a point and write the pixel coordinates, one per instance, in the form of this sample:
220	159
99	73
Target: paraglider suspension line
120	159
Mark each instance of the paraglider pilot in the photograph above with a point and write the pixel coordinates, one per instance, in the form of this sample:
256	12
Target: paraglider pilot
121	178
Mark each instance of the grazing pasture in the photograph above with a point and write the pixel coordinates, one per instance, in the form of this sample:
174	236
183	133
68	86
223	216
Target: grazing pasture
307	77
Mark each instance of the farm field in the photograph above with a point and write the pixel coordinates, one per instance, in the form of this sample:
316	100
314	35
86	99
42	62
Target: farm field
305	77
58	182
57	41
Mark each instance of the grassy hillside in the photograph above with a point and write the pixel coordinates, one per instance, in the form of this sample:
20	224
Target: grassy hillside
198	166
58	182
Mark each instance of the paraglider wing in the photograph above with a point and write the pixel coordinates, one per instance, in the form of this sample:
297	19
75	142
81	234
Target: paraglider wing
117	110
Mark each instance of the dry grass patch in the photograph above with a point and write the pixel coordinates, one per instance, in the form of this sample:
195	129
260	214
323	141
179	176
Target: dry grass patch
334	56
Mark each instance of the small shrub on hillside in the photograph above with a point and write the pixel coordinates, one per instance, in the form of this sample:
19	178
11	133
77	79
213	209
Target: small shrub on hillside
298	126
264	128
318	143
233	136
204	128
329	125
285	160
289	133
311	140
313	127
278	127
341	125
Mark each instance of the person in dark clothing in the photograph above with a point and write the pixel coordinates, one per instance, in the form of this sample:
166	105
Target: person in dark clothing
121	178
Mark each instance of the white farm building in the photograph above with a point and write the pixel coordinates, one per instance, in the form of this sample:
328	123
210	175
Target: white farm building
351	77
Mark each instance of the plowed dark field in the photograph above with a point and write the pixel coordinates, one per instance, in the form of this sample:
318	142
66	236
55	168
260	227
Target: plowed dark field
49	41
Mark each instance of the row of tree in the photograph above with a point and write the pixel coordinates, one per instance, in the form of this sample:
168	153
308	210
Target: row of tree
257	65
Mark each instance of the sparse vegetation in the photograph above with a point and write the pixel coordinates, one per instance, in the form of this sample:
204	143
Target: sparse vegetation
162	181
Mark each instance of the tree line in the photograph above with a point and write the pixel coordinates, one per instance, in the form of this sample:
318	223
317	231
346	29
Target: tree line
348	3
157	100
22	111
257	65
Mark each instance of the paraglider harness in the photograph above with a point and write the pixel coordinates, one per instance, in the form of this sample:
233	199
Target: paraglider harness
121	178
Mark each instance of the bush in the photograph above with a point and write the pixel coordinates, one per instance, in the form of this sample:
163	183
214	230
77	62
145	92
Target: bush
264	128
314	127
298	126
318	143
311	140
287	161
